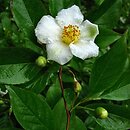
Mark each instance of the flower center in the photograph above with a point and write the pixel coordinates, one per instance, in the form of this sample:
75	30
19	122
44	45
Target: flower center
70	34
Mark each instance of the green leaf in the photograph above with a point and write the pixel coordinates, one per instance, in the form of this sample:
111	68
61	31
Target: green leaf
108	13
68	3
128	36
98	127
106	37
76	123
118	117
41	81
119	86
114	122
60	118
90	122
70	96
6	22
16	55
17	65
56	5
31	45
17	73
67	78
120	94
76	64
122	111
38	85
26	14
101	124
108	69
31	111
99	2
53	94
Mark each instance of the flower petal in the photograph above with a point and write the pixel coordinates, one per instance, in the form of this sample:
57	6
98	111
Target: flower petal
89	30
68	16
58	52
84	49
47	29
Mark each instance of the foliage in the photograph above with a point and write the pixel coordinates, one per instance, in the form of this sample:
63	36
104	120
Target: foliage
44	98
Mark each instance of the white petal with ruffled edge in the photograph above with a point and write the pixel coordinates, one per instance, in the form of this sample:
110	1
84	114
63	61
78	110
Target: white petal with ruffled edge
84	49
47	30
59	52
72	16
88	30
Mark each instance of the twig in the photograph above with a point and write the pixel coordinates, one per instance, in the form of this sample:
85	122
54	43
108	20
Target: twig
84	100
65	104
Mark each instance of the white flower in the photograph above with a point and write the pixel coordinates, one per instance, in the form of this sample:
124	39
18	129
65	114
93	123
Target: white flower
67	35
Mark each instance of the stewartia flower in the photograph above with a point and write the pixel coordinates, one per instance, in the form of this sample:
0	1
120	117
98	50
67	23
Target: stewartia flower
67	35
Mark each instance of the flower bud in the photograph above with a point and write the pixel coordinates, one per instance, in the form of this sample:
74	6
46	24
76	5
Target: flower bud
101	112
41	61
1	102
77	87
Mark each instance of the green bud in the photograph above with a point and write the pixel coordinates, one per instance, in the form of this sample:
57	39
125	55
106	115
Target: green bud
101	112
41	61
1	102
77	87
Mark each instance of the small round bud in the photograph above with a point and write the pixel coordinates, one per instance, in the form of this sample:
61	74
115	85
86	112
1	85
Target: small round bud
41	61
1	102
77	87
101	112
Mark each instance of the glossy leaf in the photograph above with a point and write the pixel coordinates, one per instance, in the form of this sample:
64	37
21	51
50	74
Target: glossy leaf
69	3
38	84
114	122
31	111
118	117
60	118
99	2
123	81
76	123
26	14
53	94
70	96
91	124
17	73
6	23
67	78
17	65
108	69
120	94
108	13
16	55
121	111
56	5
106	37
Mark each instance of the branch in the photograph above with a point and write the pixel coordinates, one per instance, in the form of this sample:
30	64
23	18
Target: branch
65	104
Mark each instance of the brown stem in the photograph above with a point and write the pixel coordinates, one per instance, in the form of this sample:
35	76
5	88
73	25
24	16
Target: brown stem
65	104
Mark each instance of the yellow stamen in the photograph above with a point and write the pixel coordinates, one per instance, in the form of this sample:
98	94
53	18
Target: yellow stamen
70	34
